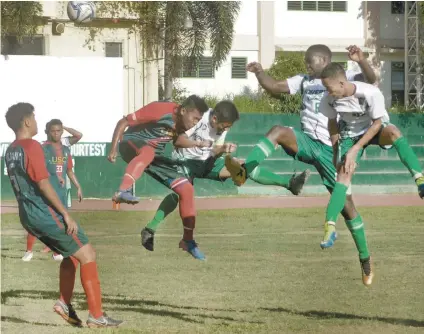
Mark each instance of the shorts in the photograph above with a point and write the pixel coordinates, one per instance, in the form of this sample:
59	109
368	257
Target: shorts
204	169
318	154
51	230
346	144
128	149
166	171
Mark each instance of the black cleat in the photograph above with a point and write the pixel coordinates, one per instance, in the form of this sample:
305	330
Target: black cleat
297	182
148	238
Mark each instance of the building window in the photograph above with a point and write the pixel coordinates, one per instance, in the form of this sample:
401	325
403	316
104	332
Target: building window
321	6
113	49
203	69
29	46
398	7
398	82
238	68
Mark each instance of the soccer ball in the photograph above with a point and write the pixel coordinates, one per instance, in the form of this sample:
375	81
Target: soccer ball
81	11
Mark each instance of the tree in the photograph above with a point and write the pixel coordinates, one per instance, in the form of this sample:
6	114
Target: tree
162	26
19	19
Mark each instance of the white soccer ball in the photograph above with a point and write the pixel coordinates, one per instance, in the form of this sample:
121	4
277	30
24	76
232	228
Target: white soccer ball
81	11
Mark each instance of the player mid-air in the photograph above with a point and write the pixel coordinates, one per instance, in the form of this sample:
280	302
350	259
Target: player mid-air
142	147
208	163
311	144
363	120
146	133
43	214
59	163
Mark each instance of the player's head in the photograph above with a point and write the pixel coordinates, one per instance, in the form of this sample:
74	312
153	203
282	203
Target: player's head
223	116
317	56
21	118
190	112
54	130
334	79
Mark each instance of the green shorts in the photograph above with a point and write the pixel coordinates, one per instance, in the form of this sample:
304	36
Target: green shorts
51	231
204	169
166	171
314	152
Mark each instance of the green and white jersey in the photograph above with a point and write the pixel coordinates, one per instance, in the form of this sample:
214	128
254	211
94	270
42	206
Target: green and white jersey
313	122
357	112
202	131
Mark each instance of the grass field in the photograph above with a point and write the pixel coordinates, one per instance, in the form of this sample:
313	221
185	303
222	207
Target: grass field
265	273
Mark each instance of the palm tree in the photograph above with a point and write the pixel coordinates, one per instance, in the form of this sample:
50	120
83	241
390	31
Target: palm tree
162	26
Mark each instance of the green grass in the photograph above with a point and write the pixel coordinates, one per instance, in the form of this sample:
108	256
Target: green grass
265	274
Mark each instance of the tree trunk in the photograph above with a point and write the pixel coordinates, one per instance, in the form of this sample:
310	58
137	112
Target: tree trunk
167	80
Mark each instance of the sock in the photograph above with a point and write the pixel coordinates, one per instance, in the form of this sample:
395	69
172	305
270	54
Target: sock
185	192
30	242
266	177
91	284
408	157
136	167
356	228
259	153
68	268
337	202
168	205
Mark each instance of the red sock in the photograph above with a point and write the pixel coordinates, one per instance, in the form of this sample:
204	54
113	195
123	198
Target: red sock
185	191
30	242
91	284
136	166
68	268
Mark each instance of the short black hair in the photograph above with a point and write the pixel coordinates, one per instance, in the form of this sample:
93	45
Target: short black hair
320	50
16	114
54	121
195	102
333	70
226	112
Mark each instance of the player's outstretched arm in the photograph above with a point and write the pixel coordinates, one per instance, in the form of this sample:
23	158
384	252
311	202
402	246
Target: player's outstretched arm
268	83
356	54
183	141
76	135
117	134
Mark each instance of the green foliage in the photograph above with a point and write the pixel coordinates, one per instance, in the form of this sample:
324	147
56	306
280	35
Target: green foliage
20	18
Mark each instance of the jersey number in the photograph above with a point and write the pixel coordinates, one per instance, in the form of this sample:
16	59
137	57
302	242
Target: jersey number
59	169
15	184
316	107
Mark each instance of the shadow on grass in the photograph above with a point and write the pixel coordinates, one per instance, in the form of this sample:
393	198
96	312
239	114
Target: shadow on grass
132	305
338	315
21	321
5	256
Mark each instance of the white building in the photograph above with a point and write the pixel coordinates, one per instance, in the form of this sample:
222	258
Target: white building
262	30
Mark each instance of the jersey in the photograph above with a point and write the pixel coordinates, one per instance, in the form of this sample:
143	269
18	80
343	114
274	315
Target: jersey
58	161
313	122
202	131
26	167
356	112
153	125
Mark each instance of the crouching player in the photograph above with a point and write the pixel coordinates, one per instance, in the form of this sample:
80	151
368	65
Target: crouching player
43	215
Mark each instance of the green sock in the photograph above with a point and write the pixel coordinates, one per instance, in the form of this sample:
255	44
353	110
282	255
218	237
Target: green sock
337	202
408	157
356	228
266	177
168	205
263	149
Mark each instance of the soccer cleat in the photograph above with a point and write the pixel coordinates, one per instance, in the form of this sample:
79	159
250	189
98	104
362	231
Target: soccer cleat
68	313
330	235
367	271
420	185
148	238
125	196
297	182
237	171
103	321
190	246
57	257
27	256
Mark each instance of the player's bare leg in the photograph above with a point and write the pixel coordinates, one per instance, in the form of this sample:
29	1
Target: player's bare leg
86	256
390	135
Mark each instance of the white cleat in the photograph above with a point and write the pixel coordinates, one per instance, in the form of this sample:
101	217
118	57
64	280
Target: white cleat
28	256
58	257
